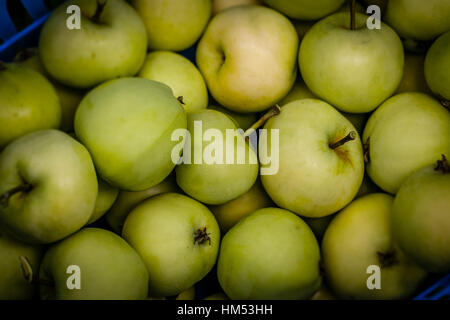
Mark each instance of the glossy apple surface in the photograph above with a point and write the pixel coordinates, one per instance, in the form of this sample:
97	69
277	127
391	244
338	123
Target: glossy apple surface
437	66
305	9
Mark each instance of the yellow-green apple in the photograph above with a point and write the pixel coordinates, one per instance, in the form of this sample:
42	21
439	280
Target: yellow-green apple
413	74
220	5
106	196
305	9
111	42
332	57
230	213
421	217
127	124
218	168
358	250
270	254
407	132
437	66
107	267
242	120
127	200
28	102
418	19
48	186
178	239
69	98
13	284
173	25
258	70
181	75
319	149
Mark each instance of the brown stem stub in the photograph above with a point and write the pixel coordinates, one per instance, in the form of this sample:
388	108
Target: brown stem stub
4	198
349	137
201	236
366	150
28	274
352	14
98	12
387	259
181	100
443	165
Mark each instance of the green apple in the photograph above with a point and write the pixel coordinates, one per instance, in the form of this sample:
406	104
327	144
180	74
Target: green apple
220	5
324	293
332	57
127	200
270	254
421	217
109	268
213	179
180	75
105	198
177	237
28	102
242	120
413	74
407	132
48	186
127	124
358	239
217	296
316	154
248	58
230	213
69	98
13	285
437	66
299	91
305	9
173	24
418	19
110	43
188	294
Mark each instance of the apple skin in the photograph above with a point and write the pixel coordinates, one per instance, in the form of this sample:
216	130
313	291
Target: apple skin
242	120
407	132
418	19
413	74
353	242
437	66
173	25
262	61
230	213
106	197
217	183
69	98
305	9
332	56
127	200
126	124
162	229
309	170
180	75
13	285
110	268
217	296
63	181
270	254
115	47
220	5
421	218
28	103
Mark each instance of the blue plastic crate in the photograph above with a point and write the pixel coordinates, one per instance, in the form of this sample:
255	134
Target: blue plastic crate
14	41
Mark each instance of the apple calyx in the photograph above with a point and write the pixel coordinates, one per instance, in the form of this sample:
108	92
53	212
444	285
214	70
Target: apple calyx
274	111
201	236
443	165
349	137
29	275
4	198
98	12
180	99
366	150
387	259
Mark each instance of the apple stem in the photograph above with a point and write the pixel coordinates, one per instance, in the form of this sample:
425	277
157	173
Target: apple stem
98	12
4	198
352	14
29	275
274	111
350	137
387	259
180	99
443	165
366	150
201	236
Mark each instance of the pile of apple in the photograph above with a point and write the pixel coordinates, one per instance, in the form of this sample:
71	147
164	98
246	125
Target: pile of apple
93	205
